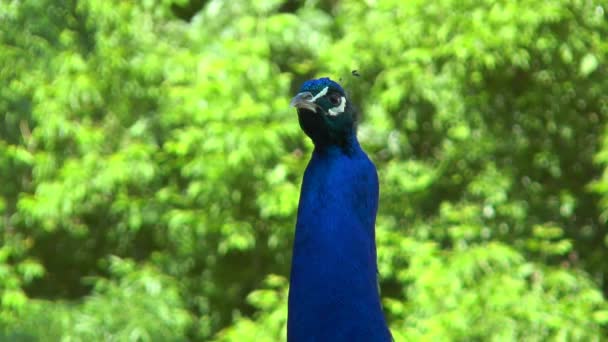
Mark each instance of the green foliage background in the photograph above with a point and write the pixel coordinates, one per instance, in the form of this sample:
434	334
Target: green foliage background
150	165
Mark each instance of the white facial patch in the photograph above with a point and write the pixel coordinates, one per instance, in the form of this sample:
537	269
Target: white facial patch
338	109
320	94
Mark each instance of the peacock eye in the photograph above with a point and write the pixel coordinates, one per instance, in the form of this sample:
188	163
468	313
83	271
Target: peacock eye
334	99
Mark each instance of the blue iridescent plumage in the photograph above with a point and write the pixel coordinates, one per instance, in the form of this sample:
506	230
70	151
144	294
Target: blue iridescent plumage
333	285
316	85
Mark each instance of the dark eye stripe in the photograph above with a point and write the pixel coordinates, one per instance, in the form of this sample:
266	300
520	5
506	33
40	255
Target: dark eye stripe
334	99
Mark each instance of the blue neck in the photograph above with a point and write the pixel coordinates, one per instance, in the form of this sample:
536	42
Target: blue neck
328	133
349	146
333	287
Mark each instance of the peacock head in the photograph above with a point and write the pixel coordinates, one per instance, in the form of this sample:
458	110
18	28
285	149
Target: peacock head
325	113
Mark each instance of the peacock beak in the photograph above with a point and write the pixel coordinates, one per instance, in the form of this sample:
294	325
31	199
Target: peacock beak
304	100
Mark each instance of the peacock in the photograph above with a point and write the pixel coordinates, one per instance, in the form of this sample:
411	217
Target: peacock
333	293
